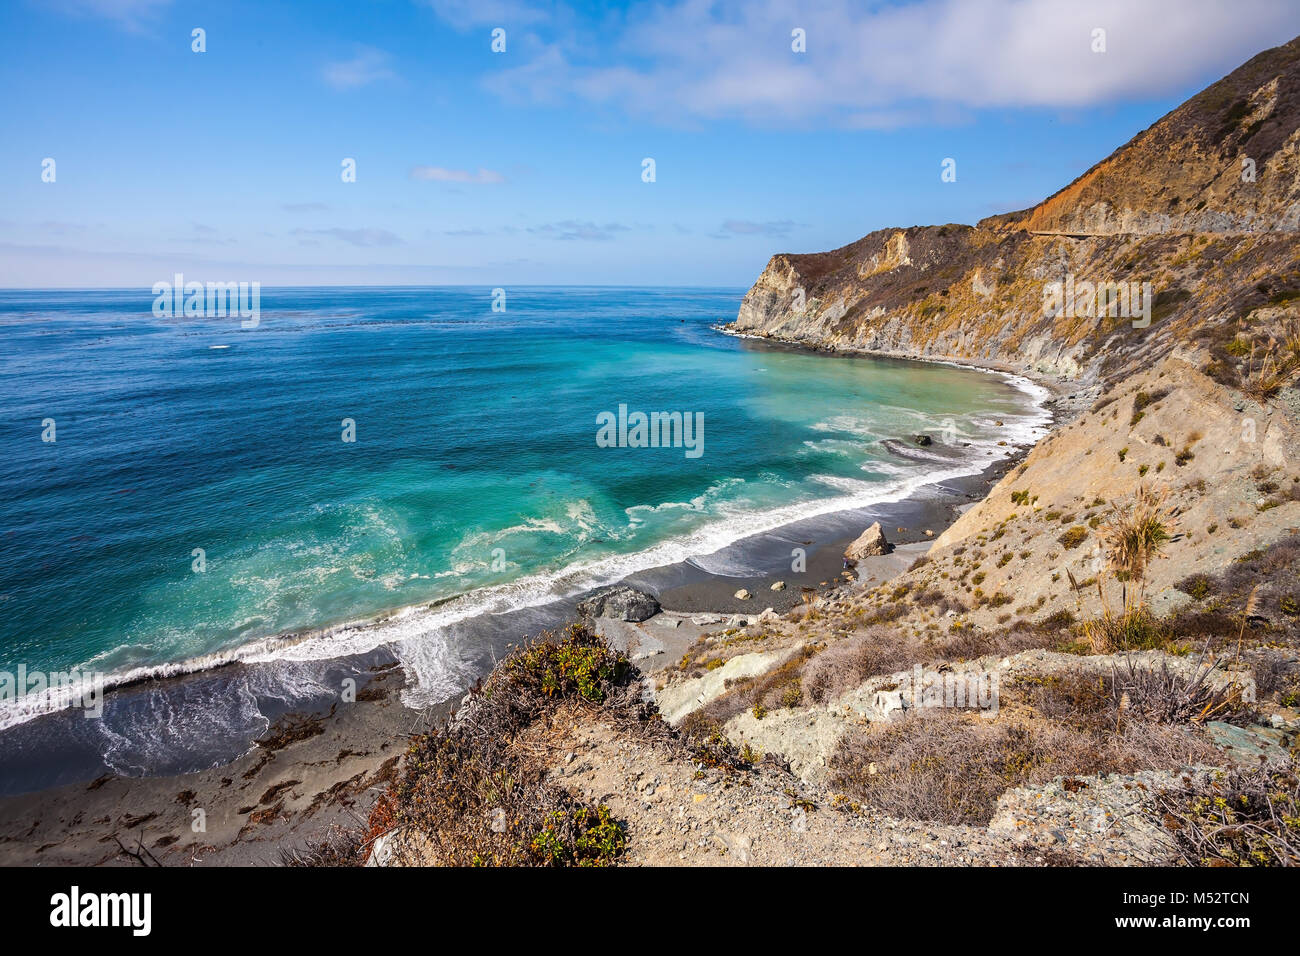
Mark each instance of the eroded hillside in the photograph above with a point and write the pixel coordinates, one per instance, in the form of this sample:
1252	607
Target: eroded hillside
1204	206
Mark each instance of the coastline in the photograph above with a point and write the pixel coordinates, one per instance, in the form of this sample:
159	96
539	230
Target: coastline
311	771
347	746
366	636
1067	397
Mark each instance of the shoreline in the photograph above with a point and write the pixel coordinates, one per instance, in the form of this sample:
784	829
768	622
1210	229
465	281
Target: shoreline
311	771
693	585
357	637
1064	396
312	768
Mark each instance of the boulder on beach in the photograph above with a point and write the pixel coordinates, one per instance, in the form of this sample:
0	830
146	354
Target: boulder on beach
620	603
869	544
743	595
778	585
922	439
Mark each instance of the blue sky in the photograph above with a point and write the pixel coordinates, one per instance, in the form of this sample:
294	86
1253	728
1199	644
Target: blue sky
525	167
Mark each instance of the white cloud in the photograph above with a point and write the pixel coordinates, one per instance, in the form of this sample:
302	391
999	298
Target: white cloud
892	65
368	66
439	174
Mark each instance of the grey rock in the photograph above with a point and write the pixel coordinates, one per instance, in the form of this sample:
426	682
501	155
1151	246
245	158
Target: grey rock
704	620
1250	746
620	603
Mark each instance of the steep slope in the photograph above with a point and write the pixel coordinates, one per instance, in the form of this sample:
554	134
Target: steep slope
1182	444
1168	216
1185	173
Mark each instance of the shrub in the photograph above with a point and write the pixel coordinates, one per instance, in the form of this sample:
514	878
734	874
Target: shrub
458	778
581	837
1240	818
1135	533
938	601
1158	695
1134	629
1197	586
778	687
1058	620
846	664
1143	400
576	665
1073	537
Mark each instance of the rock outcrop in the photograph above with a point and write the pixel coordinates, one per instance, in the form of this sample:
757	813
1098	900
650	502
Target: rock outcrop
1204	205
620	603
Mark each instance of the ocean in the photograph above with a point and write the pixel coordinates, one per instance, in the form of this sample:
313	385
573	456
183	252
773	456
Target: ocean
215	493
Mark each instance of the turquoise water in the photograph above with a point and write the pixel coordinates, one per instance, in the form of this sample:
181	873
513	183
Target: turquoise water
475	478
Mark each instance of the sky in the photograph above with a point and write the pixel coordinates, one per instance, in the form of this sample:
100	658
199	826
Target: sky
526	166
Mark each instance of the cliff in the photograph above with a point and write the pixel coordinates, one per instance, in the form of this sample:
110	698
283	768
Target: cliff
1204	206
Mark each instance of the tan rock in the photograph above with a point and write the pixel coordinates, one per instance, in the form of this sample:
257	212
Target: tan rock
869	544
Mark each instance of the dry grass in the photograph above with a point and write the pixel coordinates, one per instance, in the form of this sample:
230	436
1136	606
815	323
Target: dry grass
1254	602
1132	536
946	766
846	664
1134	533
340	846
1272	364
779	687
879	650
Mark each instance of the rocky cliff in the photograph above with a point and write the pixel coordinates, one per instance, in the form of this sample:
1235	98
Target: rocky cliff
1204	206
